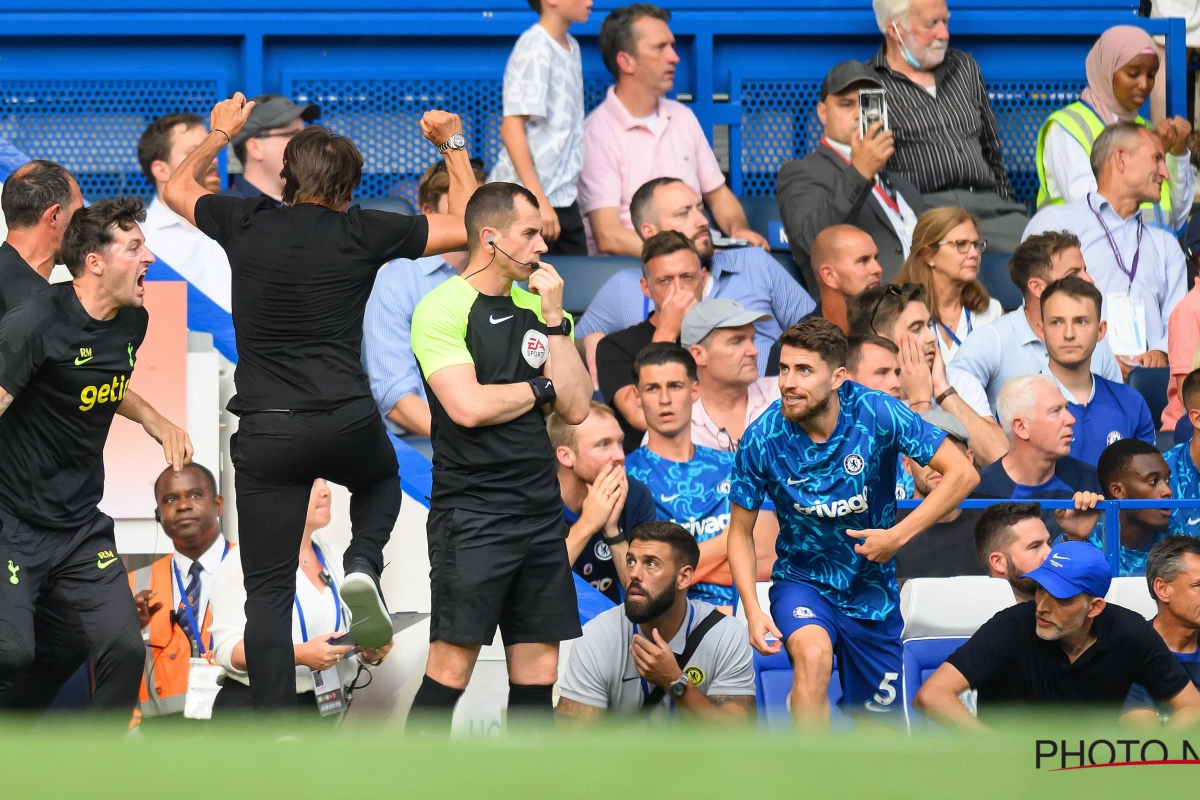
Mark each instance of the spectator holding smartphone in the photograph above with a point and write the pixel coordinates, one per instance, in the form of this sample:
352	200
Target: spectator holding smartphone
543	121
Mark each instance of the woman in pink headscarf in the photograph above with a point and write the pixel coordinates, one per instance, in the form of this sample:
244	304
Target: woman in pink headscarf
1121	69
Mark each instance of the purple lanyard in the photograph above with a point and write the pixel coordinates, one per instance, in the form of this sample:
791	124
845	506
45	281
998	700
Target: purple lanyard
1129	273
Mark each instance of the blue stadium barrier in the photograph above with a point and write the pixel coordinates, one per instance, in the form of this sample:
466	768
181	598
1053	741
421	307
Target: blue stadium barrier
584	275
750	74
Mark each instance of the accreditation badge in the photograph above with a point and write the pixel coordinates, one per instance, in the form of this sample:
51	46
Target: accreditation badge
1126	324
327	686
203	684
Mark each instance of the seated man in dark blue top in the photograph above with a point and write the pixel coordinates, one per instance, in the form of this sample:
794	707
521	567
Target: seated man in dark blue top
1038	465
600	502
1173	574
1130	469
1104	410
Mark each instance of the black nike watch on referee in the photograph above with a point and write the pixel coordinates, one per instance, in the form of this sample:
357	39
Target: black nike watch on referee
543	390
563	328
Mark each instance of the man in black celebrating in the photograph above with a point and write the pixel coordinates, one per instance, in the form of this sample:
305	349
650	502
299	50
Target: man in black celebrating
494	356
66	356
302	274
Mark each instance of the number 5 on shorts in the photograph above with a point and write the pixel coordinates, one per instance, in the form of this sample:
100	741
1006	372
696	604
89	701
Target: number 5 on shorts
887	692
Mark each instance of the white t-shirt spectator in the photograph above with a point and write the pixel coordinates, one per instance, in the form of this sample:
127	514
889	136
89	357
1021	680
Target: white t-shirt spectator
228	605
601	673
545	83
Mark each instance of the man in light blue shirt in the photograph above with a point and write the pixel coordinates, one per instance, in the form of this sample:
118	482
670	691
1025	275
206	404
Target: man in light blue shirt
1013	345
1140	268
748	275
387	354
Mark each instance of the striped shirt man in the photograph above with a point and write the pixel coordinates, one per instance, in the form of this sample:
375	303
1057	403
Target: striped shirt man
387	354
946	138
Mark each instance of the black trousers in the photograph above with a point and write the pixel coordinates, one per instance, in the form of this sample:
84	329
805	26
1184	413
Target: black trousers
572	238
67	581
277	456
60	647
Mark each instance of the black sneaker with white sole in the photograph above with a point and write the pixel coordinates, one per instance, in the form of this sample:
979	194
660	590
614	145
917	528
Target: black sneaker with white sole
370	624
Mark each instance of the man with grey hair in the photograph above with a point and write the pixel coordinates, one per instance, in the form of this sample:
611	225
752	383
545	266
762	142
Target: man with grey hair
946	138
1038	465
720	335
1140	268
1173	577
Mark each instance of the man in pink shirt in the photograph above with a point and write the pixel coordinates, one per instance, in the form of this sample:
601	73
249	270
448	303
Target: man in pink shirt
637	134
1183	338
720	335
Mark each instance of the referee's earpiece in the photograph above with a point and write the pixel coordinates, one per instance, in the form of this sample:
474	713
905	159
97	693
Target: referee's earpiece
491	240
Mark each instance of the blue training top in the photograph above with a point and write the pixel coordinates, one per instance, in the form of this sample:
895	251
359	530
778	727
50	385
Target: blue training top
823	489
694	494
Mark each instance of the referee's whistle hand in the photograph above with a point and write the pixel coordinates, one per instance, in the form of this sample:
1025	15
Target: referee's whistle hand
548	285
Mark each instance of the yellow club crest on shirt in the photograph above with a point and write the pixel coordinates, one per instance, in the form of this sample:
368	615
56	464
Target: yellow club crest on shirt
695	675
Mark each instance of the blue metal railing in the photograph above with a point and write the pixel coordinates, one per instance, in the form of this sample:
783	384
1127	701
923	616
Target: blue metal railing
1109	509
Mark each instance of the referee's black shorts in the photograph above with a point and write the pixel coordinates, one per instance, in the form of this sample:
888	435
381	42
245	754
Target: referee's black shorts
506	570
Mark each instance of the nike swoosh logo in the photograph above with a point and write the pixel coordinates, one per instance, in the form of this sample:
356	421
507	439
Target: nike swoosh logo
667	498
634	678
495	321
1193	521
81	361
103	564
796	482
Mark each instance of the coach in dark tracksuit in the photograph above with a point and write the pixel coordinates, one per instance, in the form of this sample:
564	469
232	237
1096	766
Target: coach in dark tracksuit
828	186
302	274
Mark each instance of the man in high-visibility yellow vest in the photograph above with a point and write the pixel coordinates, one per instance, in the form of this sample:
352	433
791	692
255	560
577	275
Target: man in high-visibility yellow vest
1121	69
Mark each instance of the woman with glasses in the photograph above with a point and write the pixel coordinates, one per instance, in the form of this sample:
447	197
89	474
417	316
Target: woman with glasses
945	255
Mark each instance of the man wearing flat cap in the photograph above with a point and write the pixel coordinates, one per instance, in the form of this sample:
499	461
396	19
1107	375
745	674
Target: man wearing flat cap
259	146
843	180
1065	648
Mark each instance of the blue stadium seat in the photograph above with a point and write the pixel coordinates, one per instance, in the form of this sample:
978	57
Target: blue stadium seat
397	205
1184	431
584	275
922	657
761	211
1151	383
993	274
773	683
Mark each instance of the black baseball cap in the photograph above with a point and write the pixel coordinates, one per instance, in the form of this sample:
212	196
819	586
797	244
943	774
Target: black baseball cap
846	74
274	111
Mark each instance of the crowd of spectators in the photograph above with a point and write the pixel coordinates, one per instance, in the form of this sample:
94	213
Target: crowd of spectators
887	232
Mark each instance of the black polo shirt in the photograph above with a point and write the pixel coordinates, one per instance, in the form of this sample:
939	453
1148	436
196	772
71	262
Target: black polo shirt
943	550
1007	662
615	355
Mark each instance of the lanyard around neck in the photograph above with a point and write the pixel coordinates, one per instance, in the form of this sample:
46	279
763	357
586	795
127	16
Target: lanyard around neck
337	601
187	605
1131	271
884	196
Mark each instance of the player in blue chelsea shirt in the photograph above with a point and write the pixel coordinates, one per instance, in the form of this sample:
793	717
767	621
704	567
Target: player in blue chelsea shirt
690	484
826	455
1182	459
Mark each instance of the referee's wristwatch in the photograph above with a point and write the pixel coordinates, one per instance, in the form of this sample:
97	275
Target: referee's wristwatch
563	328
455	142
678	687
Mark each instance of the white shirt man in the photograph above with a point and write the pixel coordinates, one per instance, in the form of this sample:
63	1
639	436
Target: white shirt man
176	242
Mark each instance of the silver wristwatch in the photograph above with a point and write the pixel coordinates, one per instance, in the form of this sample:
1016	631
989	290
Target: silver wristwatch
678	687
455	142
